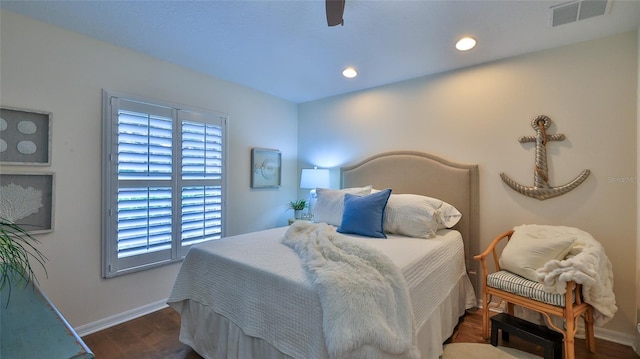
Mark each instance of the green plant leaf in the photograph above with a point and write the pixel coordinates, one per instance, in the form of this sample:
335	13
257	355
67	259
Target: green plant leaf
298	204
17	252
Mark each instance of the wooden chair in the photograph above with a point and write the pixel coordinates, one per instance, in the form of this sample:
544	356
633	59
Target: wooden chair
516	290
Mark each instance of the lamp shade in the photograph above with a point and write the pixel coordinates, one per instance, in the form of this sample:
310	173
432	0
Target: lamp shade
314	178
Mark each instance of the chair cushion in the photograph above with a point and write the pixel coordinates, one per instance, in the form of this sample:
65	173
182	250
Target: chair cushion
523	287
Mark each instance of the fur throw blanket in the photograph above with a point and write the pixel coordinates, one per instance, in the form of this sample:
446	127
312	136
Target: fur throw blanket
586	264
364	297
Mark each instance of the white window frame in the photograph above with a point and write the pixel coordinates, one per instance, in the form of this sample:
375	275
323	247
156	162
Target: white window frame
112	264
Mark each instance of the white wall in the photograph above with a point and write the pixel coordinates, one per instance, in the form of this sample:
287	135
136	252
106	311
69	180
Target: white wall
476	115
473	115
49	69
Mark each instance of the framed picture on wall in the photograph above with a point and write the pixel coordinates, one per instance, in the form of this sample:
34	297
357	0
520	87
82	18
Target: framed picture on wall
27	200
265	168
25	137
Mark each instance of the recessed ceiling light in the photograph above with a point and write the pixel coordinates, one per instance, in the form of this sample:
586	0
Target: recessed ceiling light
349	72
466	43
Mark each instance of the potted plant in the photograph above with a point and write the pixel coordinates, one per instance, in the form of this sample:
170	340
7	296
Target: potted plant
297	207
17	250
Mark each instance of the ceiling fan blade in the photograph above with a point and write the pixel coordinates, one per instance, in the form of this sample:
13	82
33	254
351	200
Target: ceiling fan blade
335	10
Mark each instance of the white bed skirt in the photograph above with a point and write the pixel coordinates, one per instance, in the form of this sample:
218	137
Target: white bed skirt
214	336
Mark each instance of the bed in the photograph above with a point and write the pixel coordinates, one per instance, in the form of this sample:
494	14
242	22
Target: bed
248	296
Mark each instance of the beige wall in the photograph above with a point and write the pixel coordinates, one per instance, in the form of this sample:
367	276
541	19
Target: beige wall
49	69
637	333
476	115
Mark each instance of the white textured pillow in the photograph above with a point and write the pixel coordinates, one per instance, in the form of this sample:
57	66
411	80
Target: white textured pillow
329	206
447	215
411	215
532	246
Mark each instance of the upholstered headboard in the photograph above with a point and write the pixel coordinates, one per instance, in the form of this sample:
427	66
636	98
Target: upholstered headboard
428	175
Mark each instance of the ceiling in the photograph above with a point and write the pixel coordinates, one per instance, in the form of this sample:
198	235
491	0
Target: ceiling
286	49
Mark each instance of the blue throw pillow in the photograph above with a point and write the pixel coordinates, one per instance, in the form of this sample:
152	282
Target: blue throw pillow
365	215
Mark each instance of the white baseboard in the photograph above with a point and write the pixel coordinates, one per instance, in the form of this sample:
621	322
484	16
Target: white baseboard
108	322
614	336
636	345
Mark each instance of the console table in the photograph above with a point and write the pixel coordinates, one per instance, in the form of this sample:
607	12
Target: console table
32	327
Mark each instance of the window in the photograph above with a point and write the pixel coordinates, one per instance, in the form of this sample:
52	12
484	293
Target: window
163	181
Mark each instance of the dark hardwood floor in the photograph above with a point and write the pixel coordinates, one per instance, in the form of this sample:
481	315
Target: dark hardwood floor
152	336
156	336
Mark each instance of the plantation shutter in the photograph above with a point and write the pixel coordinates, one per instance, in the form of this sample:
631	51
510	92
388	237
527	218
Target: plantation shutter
201	180
164	176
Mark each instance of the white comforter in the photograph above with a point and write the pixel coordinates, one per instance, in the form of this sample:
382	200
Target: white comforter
586	264
259	284
364	297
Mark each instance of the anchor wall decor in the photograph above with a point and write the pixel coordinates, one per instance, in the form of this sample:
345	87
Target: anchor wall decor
541	188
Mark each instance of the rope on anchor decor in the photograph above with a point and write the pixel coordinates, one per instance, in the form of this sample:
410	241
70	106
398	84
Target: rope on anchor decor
542	189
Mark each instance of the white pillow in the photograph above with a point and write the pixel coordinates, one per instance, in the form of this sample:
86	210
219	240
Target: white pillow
411	215
446	216
449	215
329	206
532	246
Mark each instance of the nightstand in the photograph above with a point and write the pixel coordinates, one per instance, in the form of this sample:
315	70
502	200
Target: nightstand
291	220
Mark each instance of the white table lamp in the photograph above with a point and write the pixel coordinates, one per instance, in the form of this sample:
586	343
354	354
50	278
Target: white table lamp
312	178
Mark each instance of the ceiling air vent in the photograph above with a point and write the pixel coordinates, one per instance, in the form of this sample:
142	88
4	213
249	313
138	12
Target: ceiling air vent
578	10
